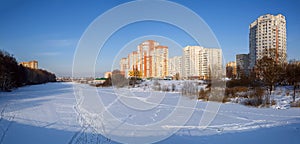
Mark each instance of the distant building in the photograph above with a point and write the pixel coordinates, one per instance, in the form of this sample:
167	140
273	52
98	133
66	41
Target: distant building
151	59
124	66
200	62
31	64
159	62
210	63
191	61
175	65
107	74
242	64
267	37
231	69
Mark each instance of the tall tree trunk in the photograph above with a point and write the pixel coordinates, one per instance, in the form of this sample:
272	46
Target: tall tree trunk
271	88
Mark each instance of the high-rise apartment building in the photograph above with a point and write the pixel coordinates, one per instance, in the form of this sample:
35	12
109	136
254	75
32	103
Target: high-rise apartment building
191	61
133	60
210	62
267	38
160	62
175	64
124	66
151	59
200	62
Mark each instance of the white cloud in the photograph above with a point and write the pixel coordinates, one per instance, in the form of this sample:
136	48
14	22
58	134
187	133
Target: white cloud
48	54
61	43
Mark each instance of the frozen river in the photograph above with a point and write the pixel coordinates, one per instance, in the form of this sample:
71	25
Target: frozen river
56	113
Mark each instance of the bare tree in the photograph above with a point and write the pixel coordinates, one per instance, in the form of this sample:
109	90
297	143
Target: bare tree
118	79
269	72
134	74
292	75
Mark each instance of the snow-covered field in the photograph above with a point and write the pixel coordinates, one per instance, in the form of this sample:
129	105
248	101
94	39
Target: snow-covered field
55	113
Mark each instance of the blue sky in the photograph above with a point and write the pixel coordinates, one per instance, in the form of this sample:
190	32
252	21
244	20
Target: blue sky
48	31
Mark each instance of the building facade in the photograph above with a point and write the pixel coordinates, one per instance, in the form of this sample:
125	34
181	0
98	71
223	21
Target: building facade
191	61
231	69
210	63
124	66
107	74
151	59
31	64
242	64
175	64
200	62
267	37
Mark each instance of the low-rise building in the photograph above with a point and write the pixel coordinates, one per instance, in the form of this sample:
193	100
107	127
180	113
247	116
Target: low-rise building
31	64
231	69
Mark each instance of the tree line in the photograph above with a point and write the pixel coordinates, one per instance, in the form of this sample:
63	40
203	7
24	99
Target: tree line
268	73
13	75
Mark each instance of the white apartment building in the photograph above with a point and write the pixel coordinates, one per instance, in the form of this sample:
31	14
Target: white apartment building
267	38
198	61
124	66
210	62
175	65
133	60
191	61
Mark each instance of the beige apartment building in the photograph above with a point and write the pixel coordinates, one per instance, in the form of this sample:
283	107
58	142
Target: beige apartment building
124	66
231	69
31	64
107	74
267	38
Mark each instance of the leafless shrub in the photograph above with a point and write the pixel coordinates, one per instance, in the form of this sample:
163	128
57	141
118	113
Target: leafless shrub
156	86
118	80
189	89
203	95
236	92
256	97
217	94
295	104
173	87
273	102
165	88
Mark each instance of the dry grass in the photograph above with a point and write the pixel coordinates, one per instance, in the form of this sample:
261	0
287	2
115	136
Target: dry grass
295	104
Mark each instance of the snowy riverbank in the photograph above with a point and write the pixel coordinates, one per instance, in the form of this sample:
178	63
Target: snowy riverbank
49	113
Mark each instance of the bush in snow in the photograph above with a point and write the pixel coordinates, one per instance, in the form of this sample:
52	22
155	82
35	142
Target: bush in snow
239	91
217	94
256	97
295	104
118	79
203	95
173	87
165	88
273	102
156	86
189	89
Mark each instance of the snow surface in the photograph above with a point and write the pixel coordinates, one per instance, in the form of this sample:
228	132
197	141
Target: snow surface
50	113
